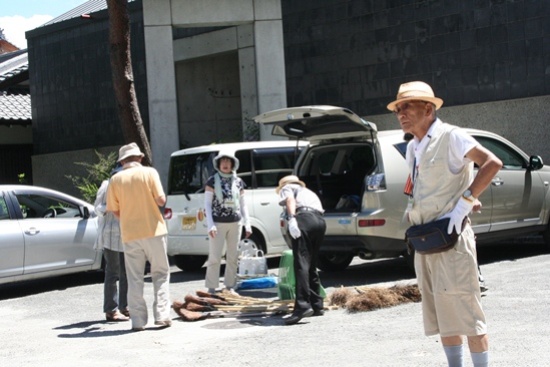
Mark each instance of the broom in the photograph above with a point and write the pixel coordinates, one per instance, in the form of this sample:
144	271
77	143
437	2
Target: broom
188	315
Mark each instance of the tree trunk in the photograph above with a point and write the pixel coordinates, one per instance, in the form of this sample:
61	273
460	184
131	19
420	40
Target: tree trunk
123	77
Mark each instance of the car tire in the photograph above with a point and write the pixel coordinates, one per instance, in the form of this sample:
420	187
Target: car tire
333	261
189	263
409	258
546	236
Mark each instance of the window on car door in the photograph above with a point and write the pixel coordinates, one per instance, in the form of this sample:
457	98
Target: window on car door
517	193
4	214
245	167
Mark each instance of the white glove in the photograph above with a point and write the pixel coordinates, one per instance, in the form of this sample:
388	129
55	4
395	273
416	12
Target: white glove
457	215
293	228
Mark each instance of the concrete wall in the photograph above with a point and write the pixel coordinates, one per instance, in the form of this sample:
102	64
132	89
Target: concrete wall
254	32
209	105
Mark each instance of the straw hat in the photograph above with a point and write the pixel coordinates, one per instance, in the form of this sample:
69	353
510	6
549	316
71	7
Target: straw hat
226	155
416	91
289	179
129	150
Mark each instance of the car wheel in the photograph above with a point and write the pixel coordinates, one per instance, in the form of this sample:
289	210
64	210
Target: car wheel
333	262
546	236
189	262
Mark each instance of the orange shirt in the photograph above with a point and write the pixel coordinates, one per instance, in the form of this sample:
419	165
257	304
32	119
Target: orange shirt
132	192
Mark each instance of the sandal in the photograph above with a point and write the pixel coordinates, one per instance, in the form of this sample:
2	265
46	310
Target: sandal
116	316
125	312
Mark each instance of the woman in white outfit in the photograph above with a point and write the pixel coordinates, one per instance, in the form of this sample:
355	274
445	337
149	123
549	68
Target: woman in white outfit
115	300
225	209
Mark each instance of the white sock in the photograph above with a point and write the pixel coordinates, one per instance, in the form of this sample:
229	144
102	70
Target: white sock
480	359
454	355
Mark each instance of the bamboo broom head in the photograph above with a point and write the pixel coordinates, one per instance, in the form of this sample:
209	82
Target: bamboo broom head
377	297
339	297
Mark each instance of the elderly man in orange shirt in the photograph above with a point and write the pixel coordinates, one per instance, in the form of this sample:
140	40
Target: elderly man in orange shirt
134	196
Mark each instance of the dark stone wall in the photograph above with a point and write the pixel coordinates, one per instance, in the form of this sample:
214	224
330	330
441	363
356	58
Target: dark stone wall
355	53
73	102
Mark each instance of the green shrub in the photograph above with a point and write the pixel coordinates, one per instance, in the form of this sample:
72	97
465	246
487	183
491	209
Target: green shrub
97	173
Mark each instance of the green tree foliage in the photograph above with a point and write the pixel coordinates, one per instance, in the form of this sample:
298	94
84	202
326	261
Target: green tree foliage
97	173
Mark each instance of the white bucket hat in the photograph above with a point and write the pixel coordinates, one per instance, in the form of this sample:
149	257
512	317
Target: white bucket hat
415	91
289	179
129	150
226	155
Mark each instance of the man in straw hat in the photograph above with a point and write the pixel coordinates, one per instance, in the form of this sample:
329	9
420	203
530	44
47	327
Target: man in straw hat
134	196
441	160
306	226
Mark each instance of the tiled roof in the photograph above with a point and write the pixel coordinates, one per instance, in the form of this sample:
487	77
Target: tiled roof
13	64
14	72
15	108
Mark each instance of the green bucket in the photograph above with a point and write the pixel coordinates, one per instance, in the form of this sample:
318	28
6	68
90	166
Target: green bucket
286	284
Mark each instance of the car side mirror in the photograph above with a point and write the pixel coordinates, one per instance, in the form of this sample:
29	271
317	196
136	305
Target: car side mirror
535	163
85	212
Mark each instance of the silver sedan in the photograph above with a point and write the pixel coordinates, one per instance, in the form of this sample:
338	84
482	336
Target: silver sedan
45	233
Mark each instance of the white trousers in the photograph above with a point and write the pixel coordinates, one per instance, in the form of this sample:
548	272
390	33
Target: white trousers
228	233
136	254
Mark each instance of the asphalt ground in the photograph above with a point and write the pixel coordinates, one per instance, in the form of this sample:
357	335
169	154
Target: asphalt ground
59	322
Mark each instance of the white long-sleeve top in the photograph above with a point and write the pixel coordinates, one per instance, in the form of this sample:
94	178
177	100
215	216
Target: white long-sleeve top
108	235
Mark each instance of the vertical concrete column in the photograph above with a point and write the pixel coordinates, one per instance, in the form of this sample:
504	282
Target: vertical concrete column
161	84
270	68
247	75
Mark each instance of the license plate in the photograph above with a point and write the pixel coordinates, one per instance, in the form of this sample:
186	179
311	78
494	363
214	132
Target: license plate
188	223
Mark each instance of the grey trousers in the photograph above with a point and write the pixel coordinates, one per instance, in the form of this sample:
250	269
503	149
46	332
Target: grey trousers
114	297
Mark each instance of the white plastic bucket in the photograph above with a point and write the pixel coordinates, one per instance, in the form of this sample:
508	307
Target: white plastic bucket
253	265
247	248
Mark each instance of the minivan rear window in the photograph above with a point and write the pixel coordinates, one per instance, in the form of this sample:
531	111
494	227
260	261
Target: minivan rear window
270	165
266	166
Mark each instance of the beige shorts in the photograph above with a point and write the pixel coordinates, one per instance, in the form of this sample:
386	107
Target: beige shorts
449	284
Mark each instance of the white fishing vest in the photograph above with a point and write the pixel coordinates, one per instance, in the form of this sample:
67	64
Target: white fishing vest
436	189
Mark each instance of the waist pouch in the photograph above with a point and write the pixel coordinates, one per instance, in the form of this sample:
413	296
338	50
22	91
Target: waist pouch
430	238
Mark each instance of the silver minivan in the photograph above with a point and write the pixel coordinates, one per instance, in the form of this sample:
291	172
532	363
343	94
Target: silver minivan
262	164
360	173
